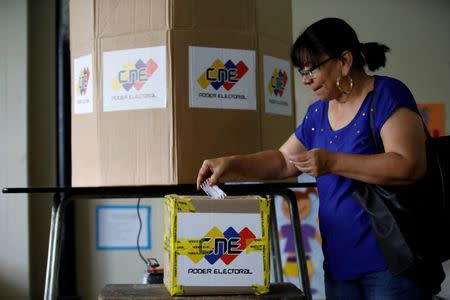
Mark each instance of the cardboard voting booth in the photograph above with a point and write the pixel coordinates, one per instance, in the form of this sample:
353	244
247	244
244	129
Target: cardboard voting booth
160	85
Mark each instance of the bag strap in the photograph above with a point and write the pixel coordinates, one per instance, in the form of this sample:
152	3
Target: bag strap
425	128
378	144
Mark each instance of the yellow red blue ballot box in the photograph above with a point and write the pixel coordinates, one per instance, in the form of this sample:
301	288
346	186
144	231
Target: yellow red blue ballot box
216	246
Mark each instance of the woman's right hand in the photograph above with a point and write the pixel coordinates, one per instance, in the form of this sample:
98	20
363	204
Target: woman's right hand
264	165
214	168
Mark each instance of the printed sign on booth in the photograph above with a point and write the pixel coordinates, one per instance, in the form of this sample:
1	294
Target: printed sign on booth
277	86
83	78
222	78
225	249
134	79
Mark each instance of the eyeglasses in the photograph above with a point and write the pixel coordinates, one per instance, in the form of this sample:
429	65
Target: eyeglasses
309	73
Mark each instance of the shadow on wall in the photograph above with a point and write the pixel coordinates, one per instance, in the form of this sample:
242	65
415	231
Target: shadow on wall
9	289
86	248
40	214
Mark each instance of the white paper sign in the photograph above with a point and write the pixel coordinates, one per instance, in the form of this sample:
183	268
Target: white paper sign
83	78
222	78
134	79
118	227
244	270
277	86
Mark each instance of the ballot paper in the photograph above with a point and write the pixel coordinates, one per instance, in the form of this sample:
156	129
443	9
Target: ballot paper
213	191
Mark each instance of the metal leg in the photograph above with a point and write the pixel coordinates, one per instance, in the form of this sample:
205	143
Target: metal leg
274	242
49	273
298	242
51	289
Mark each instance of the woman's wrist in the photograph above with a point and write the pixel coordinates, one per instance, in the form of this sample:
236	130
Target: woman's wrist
332	162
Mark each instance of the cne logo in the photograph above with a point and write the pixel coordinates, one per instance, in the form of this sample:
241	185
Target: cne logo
225	246
83	81
277	82
134	75
220	74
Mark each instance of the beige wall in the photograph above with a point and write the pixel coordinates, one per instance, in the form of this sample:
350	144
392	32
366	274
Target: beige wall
14	235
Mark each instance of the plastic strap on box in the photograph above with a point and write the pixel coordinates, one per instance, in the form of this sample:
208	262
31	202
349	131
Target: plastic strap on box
260	289
172	202
192	247
265	214
182	204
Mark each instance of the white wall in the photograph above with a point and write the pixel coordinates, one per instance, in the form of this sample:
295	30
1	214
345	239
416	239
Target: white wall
96	268
416	31
14	235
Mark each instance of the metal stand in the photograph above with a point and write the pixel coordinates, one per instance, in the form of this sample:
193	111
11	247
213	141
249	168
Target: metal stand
155	191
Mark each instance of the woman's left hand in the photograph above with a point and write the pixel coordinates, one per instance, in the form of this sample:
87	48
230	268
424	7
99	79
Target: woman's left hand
315	162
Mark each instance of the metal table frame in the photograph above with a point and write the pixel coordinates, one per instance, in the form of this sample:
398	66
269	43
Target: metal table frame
64	195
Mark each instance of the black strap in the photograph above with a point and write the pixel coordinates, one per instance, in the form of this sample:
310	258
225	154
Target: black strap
425	128
379	147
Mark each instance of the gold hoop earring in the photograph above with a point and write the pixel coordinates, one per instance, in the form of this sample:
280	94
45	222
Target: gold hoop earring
338	84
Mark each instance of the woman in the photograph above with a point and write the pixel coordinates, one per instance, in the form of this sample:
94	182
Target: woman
334	144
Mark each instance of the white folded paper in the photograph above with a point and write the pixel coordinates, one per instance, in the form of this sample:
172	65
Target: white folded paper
212	191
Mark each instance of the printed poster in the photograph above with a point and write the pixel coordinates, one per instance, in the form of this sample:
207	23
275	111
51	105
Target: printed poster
117	227
83	79
308	208
134	79
222	78
433	115
277	86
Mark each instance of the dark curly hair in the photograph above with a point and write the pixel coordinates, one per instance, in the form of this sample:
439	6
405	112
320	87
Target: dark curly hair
332	36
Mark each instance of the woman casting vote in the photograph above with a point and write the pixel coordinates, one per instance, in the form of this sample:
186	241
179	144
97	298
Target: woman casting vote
334	144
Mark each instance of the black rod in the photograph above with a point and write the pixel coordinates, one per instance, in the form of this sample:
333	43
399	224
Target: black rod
152	190
67	279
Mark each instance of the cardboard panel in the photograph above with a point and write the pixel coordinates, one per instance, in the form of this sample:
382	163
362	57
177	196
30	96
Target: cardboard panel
231	15
275	128
274	19
201	132
135	145
117	17
84	137
81	21
167	142
204	204
151	15
85	163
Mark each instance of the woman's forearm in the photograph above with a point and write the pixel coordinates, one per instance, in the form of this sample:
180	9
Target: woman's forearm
386	168
265	165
